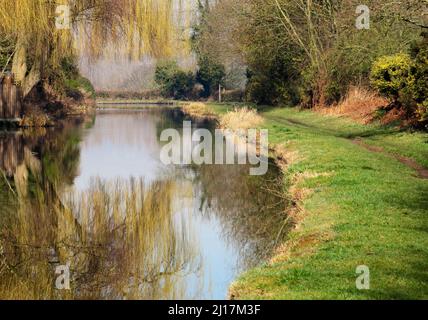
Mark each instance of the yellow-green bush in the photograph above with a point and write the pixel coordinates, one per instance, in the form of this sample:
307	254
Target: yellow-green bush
403	78
391	74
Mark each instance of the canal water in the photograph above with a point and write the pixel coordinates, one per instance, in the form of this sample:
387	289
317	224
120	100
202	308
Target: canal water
93	202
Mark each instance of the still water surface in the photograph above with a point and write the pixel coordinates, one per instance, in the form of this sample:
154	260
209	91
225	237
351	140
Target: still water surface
95	196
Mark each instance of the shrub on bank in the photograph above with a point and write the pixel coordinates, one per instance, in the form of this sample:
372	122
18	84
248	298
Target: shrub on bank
241	118
79	88
419	87
403	78
67	82
174	82
391	74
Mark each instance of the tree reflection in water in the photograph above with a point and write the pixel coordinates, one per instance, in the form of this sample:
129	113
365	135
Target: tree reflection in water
119	239
252	210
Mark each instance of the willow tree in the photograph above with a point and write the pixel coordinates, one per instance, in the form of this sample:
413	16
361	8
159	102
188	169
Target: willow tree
145	26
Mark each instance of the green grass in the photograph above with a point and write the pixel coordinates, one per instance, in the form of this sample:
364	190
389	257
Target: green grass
80	83
368	209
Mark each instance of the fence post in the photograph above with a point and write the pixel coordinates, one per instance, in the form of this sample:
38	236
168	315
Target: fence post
1	99
19	102
10	98
7	88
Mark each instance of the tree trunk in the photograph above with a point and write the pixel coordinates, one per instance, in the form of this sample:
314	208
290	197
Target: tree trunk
32	79
20	69
19	63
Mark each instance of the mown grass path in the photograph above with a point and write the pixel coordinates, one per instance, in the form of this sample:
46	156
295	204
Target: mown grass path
361	208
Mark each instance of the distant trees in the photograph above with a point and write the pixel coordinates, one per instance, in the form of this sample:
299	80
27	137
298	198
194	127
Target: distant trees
307	52
213	43
179	84
210	75
173	81
320	40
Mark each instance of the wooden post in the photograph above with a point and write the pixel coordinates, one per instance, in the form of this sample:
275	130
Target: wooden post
19	102
7	95
1	99
219	92
10	99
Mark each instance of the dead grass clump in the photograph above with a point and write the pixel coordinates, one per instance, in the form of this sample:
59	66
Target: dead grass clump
285	156
199	110
35	119
359	104
241	118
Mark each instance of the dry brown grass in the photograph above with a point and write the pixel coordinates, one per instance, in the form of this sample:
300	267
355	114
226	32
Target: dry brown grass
242	118
359	104
285	156
199	110
35	118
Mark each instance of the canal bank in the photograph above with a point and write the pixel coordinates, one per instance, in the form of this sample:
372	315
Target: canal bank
354	207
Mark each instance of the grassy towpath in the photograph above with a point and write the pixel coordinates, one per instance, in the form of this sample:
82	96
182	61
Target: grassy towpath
363	201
